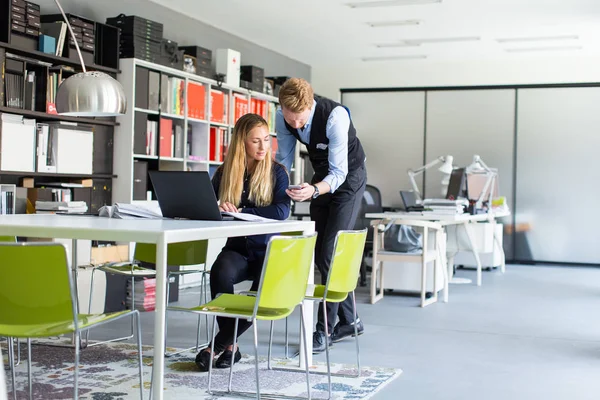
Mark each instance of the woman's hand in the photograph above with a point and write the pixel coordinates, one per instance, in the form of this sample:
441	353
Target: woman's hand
304	193
228	207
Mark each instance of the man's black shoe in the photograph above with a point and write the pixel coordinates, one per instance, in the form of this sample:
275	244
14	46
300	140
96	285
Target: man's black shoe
319	342
224	360
203	360
341	332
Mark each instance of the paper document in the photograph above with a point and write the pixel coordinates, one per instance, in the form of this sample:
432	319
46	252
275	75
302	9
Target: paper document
128	211
247	217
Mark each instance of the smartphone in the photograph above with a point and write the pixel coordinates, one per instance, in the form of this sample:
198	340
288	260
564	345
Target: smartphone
294	187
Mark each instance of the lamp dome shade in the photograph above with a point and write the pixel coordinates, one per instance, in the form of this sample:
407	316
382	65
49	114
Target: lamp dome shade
91	94
447	167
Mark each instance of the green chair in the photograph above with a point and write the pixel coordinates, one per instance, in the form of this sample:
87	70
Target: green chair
341	281
9	340
182	254
37	299
282	287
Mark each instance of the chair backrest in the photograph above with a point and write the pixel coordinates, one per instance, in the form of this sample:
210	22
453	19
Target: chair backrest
35	285
187	253
370	203
9	239
284	277
346	260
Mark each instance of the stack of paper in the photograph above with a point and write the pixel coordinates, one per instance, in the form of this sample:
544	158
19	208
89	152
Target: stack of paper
128	211
144	294
60	207
445	206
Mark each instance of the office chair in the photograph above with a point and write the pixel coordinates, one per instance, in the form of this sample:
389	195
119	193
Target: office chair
371	203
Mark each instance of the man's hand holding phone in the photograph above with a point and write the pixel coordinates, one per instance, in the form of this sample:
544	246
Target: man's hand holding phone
300	192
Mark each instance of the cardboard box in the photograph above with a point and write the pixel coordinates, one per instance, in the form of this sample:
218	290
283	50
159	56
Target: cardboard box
106	254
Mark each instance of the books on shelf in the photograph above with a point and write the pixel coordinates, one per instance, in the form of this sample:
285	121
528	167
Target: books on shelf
217	143
218	107
196	100
240	106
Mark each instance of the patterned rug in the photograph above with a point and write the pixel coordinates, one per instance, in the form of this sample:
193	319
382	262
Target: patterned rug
110	372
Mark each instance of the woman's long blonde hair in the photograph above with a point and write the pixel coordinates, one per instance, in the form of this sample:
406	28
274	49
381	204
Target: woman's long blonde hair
234	167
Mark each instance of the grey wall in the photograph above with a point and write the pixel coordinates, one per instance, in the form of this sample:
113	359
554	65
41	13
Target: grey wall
550	134
185	31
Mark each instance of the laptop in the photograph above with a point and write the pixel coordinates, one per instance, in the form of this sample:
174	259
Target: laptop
186	195
457	185
410	201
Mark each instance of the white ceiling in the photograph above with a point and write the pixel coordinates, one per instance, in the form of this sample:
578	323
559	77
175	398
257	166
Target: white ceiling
328	32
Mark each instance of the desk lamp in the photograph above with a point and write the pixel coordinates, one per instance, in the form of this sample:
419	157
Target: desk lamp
478	166
445	168
89	93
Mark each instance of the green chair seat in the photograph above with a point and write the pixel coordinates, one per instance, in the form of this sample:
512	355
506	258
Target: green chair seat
319	291
56	328
238	306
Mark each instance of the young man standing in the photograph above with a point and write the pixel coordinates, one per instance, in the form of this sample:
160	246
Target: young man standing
335	190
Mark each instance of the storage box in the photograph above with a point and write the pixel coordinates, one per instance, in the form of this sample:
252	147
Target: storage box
17	144
199	52
228	63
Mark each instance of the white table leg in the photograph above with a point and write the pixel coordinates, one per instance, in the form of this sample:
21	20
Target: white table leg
308	314
471	236
159	319
498	245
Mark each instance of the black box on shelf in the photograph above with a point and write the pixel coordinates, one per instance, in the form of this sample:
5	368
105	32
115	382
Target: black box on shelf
134	25
245	84
106	41
252	73
206	72
200	53
170	55
279	80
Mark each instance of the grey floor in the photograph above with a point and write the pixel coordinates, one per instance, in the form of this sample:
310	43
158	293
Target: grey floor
533	333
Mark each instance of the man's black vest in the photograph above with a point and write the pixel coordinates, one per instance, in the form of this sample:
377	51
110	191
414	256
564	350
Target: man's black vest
318	148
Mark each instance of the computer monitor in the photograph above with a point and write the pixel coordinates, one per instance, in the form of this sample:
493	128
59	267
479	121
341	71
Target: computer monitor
185	195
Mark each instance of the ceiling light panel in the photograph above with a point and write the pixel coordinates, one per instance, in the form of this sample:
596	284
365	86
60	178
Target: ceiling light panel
537	39
397	44
391	3
393	58
551	48
443	40
386	24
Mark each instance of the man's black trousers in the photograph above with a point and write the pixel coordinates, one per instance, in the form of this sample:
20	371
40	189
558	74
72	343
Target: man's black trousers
331	213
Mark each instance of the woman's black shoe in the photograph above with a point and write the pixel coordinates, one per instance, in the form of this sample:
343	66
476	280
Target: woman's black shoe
203	360
224	360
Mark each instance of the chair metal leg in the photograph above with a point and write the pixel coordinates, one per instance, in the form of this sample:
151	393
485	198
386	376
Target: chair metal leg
356	335
11	362
327	349
76	371
271	344
29	377
305	346
233	351
18	352
87	333
286	339
212	353
255	329
140	356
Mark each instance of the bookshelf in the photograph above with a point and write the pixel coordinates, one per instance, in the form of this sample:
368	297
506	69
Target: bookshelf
175	121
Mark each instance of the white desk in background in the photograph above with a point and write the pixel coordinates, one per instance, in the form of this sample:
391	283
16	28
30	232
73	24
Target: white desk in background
451	219
160	232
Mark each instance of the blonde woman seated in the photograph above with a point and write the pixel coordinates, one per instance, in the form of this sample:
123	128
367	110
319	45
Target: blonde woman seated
249	181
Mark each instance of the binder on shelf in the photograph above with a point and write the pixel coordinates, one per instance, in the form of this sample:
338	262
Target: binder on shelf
166	137
218	107
46	152
74	148
17	143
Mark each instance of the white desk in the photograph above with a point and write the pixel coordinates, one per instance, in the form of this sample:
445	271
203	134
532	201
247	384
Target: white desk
450	219
160	232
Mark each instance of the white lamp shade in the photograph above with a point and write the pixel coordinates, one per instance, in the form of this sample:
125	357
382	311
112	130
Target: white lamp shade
446	167
91	94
